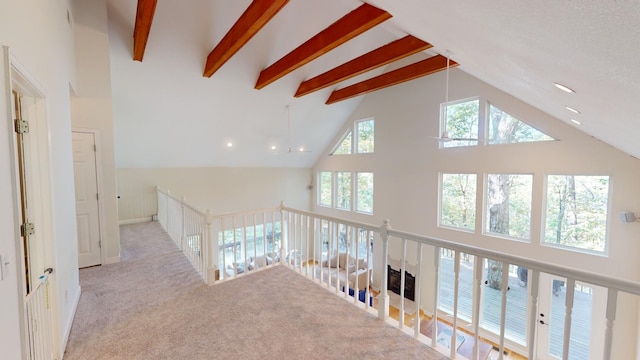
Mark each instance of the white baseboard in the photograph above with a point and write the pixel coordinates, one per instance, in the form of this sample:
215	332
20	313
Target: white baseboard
135	221
112	260
69	322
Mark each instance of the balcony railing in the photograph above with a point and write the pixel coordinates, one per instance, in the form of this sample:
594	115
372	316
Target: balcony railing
339	254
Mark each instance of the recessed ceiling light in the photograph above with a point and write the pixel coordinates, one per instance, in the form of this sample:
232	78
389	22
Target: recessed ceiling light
572	109
273	147
229	144
301	149
564	88
576	122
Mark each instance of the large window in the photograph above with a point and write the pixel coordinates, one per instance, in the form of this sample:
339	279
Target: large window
343	190
576	211
365	136
509	205
458	201
325	188
358	140
364	192
504	128
459	121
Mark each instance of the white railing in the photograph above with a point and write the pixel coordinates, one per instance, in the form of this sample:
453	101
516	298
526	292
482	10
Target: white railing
188	227
337	254
38	311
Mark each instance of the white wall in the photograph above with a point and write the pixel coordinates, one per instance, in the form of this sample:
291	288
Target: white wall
223	190
406	164
41	39
91	108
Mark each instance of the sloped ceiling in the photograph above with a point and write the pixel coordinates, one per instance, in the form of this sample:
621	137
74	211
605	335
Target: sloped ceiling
168	114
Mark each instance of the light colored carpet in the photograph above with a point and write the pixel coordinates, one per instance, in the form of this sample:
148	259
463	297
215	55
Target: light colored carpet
153	305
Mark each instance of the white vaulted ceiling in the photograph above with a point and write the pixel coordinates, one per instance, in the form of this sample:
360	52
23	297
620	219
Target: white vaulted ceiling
167	114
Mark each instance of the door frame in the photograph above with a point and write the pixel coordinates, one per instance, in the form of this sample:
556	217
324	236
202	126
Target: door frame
99	183
19	78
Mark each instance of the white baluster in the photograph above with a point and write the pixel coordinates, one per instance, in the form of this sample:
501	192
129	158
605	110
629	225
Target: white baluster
436	296
612	304
478	267
571	288
532	283
503	306
418	288
456	283
383	298
209	247
403	271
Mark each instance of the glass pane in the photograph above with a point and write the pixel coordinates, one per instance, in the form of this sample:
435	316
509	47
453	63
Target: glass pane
365	131
460	121
576	213
343	190
504	128
458	197
364	200
325	188
345	145
509	205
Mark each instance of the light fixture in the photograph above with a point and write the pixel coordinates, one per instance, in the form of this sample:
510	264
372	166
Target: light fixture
564	88
572	109
273	147
301	149
576	122
229	144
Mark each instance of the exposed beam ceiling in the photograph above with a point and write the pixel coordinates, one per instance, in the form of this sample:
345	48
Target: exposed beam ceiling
252	20
409	72
381	56
144	18
346	28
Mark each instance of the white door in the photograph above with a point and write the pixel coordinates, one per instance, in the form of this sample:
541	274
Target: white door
86	185
587	305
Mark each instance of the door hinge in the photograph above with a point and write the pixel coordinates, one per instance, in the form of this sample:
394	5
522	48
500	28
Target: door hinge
95	148
27	229
100	244
97	196
21	126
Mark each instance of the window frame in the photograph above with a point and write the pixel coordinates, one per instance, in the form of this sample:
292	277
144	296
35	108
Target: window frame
335	186
319	191
440	223
444	121
485	209
357	192
607	230
355	140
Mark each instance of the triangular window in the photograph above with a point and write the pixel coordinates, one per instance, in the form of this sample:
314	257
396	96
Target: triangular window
506	129
345	145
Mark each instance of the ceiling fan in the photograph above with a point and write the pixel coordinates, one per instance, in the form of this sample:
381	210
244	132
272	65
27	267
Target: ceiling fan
444	137
290	148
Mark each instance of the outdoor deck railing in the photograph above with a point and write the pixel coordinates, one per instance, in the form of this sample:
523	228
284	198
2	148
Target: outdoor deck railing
310	244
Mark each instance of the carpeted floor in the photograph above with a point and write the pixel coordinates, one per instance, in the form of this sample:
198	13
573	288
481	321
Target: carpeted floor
153	305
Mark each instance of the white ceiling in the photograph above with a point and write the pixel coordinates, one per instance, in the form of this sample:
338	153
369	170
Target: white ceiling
520	47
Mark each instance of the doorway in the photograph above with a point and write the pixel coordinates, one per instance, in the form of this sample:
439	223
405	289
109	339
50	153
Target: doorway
551	319
85	171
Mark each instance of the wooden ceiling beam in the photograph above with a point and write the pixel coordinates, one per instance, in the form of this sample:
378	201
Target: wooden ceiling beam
256	16
144	18
346	28
381	56
421	68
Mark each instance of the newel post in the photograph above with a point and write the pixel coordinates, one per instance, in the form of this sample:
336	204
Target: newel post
383	298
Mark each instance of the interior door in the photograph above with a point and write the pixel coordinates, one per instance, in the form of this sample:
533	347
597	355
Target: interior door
551	319
86	188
